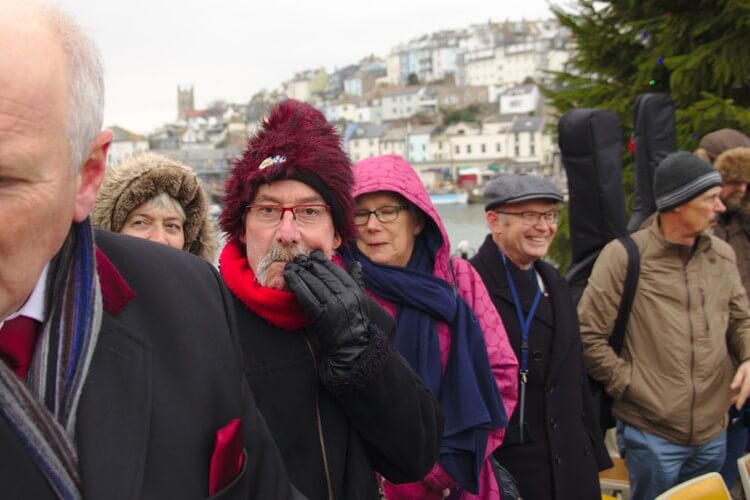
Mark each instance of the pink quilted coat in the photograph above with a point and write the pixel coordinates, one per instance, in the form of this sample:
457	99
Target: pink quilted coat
393	173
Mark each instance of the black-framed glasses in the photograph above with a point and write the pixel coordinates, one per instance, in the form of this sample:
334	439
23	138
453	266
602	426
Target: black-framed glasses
308	214
385	214
532	218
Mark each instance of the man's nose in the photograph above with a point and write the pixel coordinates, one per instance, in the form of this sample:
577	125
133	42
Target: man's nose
287	232
719	206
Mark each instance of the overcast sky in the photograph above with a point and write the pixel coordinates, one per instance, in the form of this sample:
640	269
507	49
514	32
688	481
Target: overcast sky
230	49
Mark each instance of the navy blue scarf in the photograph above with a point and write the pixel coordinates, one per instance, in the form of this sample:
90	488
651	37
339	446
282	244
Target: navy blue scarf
468	394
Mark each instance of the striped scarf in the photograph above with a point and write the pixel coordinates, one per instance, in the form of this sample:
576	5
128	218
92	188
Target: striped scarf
43	411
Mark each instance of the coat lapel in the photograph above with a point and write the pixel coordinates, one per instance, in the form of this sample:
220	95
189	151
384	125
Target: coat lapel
559	297
489	259
114	414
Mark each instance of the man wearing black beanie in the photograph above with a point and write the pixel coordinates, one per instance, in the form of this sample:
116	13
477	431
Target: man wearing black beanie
675	375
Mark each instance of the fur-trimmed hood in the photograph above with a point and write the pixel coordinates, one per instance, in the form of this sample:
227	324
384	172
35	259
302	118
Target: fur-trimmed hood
734	164
142	176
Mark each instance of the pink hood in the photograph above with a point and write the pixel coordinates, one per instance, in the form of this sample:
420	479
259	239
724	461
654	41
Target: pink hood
393	173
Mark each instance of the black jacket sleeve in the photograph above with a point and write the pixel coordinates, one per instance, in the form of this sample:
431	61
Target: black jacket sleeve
397	417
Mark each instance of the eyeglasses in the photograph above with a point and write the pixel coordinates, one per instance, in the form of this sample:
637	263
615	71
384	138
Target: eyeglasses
302	214
531	218
388	213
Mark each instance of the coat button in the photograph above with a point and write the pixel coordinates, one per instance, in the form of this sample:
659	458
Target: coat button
586	450
552	389
557	458
537	356
553	423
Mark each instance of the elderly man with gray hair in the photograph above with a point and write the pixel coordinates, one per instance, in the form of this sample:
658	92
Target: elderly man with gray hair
675	377
552	446
119	363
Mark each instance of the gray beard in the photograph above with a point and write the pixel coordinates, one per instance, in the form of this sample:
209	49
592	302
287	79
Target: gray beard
277	253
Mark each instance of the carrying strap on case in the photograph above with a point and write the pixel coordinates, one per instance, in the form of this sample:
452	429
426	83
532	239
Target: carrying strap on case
628	293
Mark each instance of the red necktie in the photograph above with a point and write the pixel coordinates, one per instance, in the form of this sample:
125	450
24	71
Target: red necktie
17	342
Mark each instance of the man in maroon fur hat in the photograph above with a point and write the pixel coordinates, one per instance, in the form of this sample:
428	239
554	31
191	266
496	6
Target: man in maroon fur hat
341	404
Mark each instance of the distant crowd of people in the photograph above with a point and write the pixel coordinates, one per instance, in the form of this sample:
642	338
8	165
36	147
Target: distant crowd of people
339	351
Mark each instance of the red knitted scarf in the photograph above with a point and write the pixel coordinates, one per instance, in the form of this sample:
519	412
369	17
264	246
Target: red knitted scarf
278	307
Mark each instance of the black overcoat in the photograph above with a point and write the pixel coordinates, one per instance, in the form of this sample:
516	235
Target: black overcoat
333	441
564	450
165	376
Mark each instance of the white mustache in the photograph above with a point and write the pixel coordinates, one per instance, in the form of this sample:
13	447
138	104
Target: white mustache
277	253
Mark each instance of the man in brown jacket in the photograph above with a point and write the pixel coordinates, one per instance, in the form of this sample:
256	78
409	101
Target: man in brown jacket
729	152
674	379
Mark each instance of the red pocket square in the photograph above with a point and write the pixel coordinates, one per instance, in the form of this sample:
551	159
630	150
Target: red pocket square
226	460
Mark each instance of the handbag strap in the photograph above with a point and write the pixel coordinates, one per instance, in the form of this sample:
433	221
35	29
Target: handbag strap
628	293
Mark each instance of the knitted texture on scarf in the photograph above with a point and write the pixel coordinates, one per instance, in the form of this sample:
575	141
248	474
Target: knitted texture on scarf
278	307
43	411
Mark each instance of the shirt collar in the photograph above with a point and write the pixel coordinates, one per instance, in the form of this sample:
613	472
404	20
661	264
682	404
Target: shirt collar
34	306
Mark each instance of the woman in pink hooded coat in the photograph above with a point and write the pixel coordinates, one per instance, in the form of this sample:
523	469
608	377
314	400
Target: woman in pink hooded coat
448	329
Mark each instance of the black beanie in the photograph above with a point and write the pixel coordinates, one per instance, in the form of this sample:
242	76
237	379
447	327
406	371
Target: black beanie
680	177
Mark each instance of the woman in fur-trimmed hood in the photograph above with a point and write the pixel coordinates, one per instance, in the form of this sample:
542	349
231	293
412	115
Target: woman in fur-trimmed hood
149	180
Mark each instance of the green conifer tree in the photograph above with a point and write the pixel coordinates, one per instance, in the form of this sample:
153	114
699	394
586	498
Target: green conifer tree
696	51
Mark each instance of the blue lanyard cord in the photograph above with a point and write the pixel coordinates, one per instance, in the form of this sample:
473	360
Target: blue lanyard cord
524	322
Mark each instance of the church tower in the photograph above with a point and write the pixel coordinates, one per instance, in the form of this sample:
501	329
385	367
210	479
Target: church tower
185	101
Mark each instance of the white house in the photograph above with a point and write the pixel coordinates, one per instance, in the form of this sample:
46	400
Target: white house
418	143
124	143
393	142
365	141
523	99
399	104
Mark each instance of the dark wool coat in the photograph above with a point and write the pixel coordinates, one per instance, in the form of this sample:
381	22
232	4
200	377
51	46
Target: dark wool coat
391	424
563	450
165	376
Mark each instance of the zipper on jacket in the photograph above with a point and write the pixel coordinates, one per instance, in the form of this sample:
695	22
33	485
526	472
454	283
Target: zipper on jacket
692	354
320	424
703	308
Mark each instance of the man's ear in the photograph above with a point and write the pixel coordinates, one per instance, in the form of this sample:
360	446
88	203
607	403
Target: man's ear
493	221
91	175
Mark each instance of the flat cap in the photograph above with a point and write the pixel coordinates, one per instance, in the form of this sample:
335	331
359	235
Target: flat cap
517	188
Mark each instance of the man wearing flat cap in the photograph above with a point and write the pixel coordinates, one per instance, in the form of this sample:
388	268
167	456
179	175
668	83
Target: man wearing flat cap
674	378
552	446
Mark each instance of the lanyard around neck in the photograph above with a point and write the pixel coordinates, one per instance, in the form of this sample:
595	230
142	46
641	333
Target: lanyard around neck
523	321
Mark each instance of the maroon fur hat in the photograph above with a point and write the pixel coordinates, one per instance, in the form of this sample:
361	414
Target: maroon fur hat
295	142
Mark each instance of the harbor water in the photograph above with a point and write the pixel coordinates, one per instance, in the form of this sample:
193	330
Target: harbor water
464	223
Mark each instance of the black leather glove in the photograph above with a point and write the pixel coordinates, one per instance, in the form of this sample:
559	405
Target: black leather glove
336	306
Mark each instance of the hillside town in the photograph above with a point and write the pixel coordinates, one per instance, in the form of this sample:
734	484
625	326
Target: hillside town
460	105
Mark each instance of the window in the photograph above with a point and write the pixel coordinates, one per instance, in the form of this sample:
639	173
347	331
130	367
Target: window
497	147
440	145
458	149
518	151
468	149
532	150
484	148
424	147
